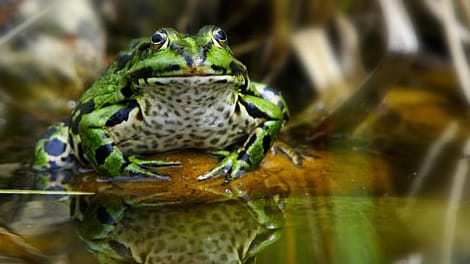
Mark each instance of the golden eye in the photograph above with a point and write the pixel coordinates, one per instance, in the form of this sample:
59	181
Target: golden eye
160	39
219	37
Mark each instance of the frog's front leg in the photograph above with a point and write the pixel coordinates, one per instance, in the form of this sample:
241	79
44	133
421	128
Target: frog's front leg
273	111
102	152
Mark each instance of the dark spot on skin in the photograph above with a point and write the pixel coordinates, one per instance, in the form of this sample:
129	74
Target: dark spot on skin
148	107
144	46
177	48
143	73
71	140
172	67
206	49
81	154
198	144
199	113
55	147
103	216
188	59
82	109
266	143
251	141
139	116
158	125
254	111
127	91
120	116
244	156
236	68
196	136
102	152
214	141
222	132
237	109
122	60
169	122
218	68
87	107
106	105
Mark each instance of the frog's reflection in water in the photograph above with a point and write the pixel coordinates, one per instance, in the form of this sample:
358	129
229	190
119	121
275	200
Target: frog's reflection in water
224	232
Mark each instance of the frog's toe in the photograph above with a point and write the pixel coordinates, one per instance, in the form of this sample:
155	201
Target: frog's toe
159	163
138	167
223	168
214	173
137	170
153	163
231	167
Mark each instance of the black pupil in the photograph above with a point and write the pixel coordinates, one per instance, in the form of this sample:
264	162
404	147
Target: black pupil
157	38
220	35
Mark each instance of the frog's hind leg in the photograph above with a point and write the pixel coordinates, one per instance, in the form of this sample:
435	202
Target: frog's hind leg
54	159
53	150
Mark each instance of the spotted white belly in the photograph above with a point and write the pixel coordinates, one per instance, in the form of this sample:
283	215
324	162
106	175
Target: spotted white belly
184	113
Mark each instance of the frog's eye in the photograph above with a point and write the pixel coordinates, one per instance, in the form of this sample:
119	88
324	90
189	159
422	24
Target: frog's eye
219	37
160	39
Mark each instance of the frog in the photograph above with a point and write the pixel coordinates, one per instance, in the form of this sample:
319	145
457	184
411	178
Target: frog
168	92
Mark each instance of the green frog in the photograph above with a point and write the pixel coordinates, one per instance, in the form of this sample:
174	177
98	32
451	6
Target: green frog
167	92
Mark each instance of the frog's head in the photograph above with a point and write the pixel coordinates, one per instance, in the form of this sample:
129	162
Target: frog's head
171	57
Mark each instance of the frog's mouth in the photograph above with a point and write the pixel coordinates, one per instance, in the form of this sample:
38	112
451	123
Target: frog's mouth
191	81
